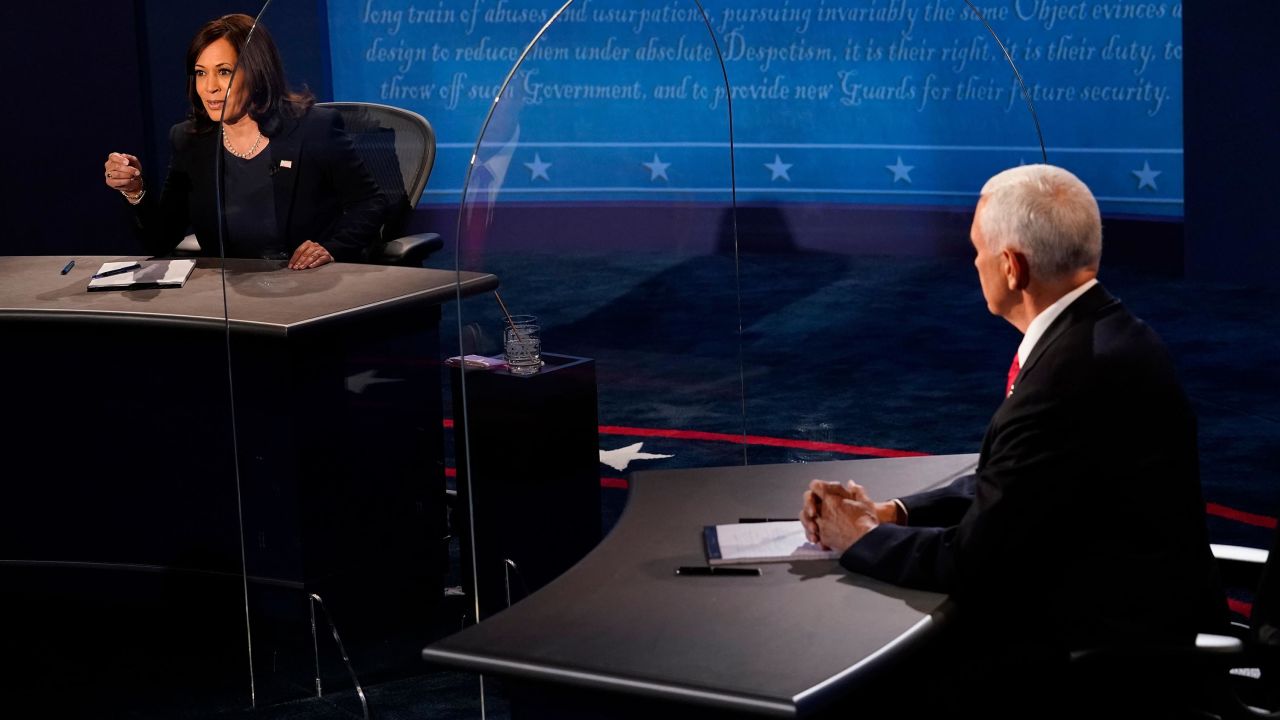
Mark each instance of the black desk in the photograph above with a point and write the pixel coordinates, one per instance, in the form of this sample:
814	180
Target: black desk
118	414
620	621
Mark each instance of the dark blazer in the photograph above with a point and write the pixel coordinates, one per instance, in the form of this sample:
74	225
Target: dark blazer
1083	522
323	192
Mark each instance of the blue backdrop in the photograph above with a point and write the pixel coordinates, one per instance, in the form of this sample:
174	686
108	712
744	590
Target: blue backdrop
899	102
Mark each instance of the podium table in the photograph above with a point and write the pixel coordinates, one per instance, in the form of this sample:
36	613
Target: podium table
120	404
783	644
113	390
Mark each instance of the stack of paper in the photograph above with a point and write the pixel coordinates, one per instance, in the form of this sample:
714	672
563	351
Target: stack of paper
761	542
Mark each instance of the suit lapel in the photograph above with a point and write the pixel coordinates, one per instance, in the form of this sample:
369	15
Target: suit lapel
285	149
1094	300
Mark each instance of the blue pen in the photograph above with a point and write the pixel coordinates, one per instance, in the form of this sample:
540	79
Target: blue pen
117	271
67	268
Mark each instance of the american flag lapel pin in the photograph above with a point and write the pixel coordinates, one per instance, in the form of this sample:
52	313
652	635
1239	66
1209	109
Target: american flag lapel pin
286	164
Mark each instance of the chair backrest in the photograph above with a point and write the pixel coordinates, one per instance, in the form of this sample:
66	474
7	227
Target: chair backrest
399	148
1265	619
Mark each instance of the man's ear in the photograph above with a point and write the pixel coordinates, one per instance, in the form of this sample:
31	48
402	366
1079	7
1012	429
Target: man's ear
1017	270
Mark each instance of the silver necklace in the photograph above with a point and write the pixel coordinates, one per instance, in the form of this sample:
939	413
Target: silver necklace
226	142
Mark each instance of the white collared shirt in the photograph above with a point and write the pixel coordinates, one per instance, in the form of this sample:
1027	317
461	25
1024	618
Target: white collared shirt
1046	317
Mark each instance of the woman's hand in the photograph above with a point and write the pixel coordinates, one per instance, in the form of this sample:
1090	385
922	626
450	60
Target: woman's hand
123	172
309	255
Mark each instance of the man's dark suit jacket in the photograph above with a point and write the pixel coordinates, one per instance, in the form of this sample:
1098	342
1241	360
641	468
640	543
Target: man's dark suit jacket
1083	522
323	192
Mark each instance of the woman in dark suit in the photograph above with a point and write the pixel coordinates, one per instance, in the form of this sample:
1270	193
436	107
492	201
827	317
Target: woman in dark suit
293	185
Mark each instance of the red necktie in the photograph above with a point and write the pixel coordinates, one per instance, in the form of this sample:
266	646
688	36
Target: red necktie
1013	375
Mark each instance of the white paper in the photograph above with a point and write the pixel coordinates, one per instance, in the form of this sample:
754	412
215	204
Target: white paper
767	542
164	273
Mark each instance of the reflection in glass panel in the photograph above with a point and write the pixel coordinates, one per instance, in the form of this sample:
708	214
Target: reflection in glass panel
618	311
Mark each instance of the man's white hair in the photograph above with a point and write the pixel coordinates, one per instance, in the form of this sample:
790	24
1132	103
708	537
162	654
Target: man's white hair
1047	214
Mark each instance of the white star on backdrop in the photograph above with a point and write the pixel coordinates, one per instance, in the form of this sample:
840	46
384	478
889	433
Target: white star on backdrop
900	171
657	168
779	169
1146	176
537	168
619	459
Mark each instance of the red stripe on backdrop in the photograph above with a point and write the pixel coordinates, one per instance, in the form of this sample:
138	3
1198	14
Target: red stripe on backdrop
758	440
1240	607
1247	518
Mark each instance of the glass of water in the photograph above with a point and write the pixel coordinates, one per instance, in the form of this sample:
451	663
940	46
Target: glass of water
522	345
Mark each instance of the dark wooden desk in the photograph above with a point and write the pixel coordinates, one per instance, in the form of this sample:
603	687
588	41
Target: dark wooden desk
119	412
783	644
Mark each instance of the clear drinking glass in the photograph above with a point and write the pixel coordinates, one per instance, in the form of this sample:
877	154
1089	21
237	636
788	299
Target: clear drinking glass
522	345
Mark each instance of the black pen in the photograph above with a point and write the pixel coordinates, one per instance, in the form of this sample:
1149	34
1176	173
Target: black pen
764	519
117	271
67	268
705	570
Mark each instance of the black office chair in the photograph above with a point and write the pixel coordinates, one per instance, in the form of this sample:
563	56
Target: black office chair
1233	673
399	148
1254	667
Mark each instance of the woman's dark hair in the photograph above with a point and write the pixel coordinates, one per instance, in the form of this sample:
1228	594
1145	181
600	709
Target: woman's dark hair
258	68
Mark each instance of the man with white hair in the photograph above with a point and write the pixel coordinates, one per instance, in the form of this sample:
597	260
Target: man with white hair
1083	524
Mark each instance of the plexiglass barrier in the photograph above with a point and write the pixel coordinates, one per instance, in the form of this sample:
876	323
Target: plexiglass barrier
670	260
335	355
618	306
903	116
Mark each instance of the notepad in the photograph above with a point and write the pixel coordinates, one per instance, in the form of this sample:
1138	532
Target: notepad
152	274
761	543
